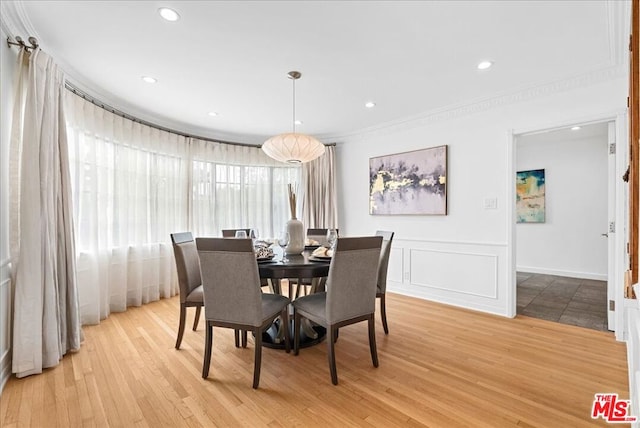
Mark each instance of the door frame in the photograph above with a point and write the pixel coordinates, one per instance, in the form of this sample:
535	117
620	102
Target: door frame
620	120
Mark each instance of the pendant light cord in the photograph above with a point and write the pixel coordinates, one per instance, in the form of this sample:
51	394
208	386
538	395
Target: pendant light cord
294	105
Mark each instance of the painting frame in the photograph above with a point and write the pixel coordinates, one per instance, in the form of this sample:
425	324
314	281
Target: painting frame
414	182
531	196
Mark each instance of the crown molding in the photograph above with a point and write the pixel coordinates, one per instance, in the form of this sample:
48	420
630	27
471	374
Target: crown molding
8	19
15	21
483	104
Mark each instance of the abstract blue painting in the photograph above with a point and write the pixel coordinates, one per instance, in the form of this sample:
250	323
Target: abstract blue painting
409	183
530	207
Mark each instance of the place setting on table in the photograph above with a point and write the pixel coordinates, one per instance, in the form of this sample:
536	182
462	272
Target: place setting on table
322	253
313	249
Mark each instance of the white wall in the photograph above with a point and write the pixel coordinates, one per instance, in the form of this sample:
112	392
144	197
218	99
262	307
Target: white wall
570	241
463	258
7	70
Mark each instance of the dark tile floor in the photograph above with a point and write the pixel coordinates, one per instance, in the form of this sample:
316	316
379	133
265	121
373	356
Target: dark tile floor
581	302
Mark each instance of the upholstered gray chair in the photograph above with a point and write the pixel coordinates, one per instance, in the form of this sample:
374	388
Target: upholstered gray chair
350	295
319	235
301	284
231	233
232	295
383	266
188	267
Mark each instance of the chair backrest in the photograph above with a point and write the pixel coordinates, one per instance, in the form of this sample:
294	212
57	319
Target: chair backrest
383	264
230	280
187	263
231	233
319	235
351	284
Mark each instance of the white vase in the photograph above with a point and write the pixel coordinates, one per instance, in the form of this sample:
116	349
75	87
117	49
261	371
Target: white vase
296	237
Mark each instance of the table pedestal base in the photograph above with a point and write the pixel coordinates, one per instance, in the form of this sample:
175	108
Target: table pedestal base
270	337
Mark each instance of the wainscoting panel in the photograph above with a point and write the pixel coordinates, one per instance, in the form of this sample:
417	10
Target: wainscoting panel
396	261
6	303
467	274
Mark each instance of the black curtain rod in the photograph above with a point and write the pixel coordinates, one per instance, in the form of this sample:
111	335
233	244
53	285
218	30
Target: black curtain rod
120	113
33	43
115	111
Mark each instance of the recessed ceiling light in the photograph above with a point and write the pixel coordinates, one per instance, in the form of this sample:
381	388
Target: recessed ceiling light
149	79
484	65
370	104
298	122
168	14
575	128
213	113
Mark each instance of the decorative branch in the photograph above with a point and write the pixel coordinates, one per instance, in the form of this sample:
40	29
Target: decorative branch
292	200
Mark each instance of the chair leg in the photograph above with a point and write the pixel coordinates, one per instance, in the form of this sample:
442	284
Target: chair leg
296	332
332	355
244	338
197	319
372	340
236	334
183	320
337	335
208	344
258	358
284	316
383	313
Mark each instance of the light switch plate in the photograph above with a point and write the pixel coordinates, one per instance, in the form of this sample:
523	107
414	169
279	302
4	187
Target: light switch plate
490	203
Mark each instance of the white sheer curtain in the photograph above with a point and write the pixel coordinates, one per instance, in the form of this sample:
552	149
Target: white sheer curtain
130	192
320	197
134	185
46	323
238	187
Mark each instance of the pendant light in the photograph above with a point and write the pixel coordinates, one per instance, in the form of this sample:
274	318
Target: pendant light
293	147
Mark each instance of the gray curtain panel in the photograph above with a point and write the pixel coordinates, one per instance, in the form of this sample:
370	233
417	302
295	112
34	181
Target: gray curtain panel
320	199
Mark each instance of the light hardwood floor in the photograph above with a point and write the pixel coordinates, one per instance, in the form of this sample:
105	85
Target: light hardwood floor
440	366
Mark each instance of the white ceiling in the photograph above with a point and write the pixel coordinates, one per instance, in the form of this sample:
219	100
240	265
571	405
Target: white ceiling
232	57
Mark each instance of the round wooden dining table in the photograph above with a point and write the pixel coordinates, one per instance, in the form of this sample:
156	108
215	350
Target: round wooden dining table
295	267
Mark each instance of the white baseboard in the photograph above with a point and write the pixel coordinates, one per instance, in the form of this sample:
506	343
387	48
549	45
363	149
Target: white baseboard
451	300
567	273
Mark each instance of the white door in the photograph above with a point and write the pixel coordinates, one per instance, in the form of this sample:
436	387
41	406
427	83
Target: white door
610	228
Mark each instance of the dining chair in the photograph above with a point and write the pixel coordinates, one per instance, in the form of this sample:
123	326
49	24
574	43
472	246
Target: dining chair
320	236
233	298
231	233
383	267
350	295
190	283
188	267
